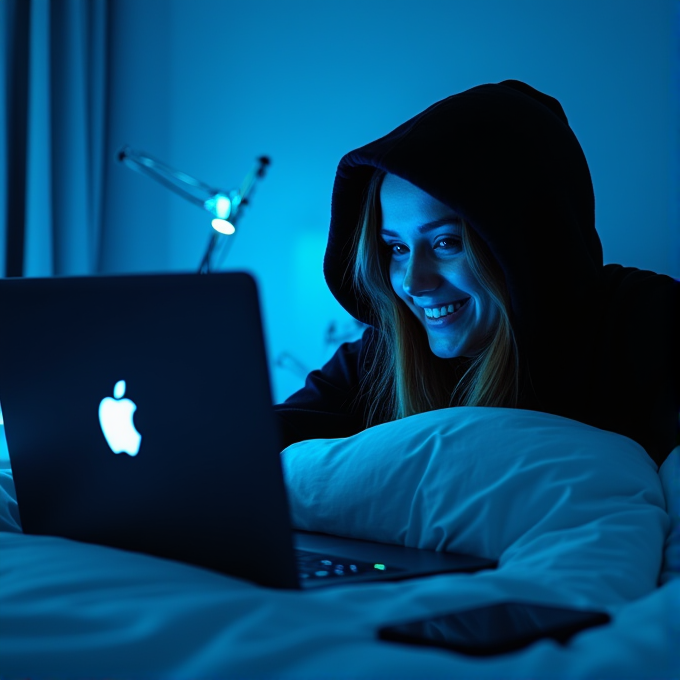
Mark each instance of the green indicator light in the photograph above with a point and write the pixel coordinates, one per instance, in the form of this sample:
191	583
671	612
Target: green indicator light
379	566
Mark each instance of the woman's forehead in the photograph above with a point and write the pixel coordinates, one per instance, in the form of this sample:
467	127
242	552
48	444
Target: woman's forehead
404	205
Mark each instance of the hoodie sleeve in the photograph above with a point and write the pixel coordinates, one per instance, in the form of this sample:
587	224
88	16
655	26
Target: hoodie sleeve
328	406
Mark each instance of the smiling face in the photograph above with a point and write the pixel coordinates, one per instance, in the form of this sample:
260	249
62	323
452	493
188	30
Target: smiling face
430	272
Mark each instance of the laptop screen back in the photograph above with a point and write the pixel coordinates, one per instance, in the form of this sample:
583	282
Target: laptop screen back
138	415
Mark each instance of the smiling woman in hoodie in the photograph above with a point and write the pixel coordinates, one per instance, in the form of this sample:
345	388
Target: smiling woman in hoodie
465	239
422	268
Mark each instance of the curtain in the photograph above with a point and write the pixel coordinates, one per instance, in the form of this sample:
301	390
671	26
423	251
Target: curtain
53	81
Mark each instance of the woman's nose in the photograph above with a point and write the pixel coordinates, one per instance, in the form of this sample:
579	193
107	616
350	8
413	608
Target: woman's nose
421	276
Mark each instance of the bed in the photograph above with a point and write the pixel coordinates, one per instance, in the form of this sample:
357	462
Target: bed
575	516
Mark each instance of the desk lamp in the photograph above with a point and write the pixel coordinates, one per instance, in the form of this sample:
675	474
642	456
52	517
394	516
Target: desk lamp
224	206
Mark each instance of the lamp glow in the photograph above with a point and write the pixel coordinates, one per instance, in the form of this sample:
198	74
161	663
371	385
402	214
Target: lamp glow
223	226
219	205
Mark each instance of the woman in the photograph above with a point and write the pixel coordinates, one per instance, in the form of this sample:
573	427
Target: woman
465	240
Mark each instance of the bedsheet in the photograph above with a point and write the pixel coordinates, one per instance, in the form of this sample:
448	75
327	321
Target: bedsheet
73	610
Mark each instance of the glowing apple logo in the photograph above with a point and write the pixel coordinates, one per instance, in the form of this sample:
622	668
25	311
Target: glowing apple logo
115	418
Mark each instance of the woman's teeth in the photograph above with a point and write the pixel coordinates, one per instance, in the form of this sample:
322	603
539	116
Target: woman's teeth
438	312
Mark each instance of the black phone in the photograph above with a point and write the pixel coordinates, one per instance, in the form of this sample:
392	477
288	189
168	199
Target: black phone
495	629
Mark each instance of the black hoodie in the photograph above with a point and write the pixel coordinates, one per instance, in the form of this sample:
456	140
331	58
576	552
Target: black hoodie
598	344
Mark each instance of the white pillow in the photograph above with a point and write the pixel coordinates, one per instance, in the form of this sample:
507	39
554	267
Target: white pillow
669	474
540	493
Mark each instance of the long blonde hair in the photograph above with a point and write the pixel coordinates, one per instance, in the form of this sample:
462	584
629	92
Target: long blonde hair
406	377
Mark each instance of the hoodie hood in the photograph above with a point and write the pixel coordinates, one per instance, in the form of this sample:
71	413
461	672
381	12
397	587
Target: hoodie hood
504	157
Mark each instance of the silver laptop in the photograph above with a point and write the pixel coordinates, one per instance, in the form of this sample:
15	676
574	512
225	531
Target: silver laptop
138	415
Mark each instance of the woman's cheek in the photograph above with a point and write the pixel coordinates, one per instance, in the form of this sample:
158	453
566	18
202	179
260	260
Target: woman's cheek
397	279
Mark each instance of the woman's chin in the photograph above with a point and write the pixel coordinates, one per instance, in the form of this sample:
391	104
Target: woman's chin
450	350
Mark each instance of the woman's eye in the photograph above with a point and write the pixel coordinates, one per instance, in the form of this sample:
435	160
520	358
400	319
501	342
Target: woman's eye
398	249
449	243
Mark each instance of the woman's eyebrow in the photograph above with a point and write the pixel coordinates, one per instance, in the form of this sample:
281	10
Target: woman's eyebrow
428	226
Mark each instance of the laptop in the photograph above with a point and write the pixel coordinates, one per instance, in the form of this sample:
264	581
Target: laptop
138	415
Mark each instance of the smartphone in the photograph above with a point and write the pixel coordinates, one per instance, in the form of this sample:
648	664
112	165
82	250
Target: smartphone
495	629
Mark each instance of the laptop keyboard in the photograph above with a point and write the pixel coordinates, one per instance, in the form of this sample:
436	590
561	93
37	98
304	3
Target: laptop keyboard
313	565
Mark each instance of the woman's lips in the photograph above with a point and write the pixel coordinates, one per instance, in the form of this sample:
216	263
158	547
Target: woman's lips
448	319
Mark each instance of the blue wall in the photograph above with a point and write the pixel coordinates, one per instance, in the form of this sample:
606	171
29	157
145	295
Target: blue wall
208	85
